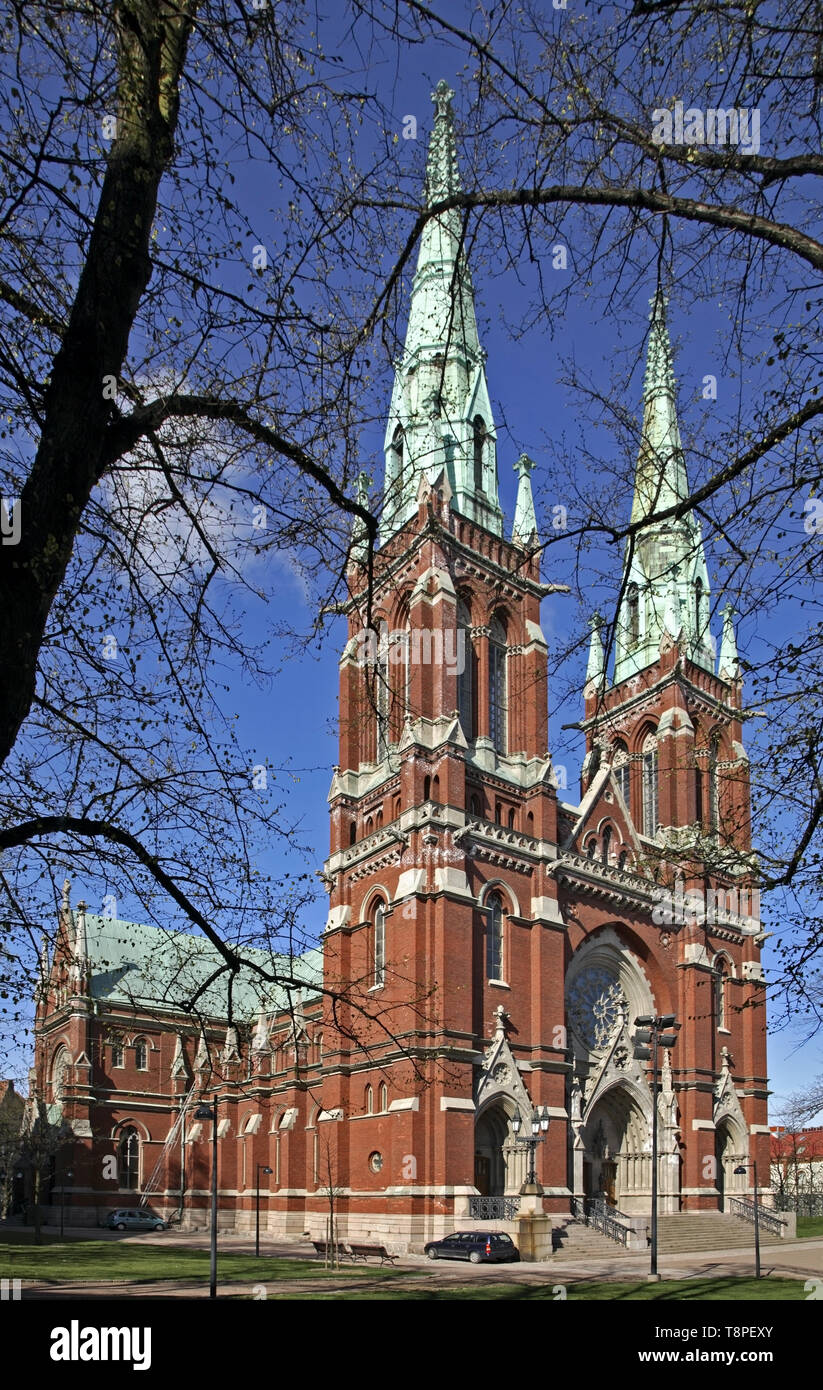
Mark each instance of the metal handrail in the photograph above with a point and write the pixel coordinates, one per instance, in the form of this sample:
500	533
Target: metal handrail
742	1207
596	1212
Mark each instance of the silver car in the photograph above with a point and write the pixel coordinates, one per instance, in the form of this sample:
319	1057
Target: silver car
135	1219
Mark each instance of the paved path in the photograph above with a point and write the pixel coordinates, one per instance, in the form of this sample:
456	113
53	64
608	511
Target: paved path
799	1260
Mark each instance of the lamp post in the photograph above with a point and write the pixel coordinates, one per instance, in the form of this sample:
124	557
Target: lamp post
742	1168
652	1029
539	1126
261	1168
67	1174
209	1112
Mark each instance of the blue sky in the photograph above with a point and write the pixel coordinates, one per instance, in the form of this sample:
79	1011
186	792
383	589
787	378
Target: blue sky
291	725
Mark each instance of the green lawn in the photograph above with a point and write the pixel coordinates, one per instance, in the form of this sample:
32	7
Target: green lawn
680	1290
809	1226
98	1260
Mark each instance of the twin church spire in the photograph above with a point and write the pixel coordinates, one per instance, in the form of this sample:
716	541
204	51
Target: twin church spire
440	419
665	590
441	423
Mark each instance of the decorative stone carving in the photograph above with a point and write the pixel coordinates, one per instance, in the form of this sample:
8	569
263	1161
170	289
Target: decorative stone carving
498	1074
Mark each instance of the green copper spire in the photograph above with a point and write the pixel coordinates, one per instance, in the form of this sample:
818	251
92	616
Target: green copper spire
666	583
524	527
440	418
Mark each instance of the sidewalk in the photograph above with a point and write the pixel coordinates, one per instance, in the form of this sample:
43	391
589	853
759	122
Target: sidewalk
799	1260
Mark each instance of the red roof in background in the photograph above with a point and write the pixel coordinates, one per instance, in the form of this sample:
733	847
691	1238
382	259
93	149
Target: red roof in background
788	1143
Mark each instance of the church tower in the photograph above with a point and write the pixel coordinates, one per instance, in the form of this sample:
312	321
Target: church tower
443	806
664	745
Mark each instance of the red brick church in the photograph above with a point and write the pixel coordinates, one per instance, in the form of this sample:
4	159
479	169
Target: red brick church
489	944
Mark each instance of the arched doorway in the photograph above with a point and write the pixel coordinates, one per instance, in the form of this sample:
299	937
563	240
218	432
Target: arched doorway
499	1165
617	1160
729	1153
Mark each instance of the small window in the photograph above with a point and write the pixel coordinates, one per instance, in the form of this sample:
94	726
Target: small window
591	849
352	831
117	1054
494	937
376	1162
369	1101
511	819
384	1097
606	848
621	859
141	1055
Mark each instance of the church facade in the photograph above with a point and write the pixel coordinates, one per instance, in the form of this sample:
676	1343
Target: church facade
489	944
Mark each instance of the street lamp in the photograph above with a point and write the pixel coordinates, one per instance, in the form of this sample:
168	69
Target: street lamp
209	1112
652	1029
261	1168
742	1168
67	1174
539	1126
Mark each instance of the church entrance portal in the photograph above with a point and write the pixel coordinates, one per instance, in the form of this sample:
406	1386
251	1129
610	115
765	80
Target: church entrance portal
499	1165
617	1152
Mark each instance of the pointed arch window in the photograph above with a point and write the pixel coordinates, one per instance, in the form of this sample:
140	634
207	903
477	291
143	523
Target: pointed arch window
384	1098
650	790
494	937
382	700
128	1160
714	784
606	846
369	1101
620	765
479	438
398	460
498	692
633	614
60	1066
379	945
698	610
465	660
721	975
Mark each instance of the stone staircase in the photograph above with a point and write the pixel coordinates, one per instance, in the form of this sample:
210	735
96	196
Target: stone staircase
574	1241
682	1232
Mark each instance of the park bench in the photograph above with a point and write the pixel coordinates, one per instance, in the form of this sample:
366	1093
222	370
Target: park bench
362	1252
324	1248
